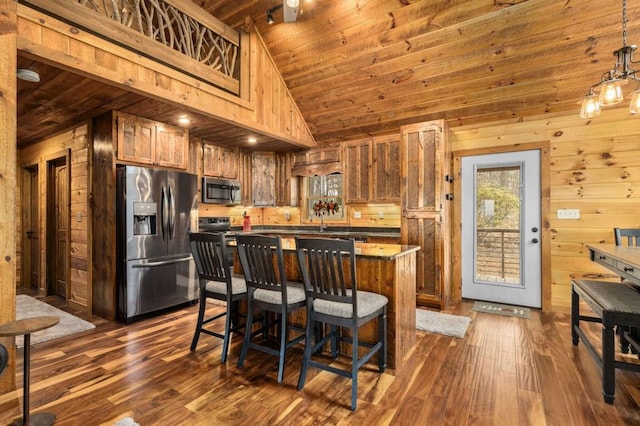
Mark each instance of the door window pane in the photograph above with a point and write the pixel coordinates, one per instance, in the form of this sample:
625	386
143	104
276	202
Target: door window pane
498	216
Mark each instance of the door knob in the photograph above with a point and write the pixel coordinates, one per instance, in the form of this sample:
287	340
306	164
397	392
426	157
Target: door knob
534	241
534	229
29	234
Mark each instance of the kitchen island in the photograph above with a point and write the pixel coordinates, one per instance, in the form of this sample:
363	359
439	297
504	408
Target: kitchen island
387	269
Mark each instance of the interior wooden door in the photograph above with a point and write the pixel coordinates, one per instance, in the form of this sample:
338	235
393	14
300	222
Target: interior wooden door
58	225
424	220
30	197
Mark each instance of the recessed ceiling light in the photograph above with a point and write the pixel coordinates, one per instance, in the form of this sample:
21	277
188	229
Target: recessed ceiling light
28	75
252	139
184	120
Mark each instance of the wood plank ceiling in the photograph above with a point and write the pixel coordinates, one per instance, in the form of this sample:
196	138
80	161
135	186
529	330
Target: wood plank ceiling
358	68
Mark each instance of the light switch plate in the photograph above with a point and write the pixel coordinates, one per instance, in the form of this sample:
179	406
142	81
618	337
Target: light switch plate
357	214
568	214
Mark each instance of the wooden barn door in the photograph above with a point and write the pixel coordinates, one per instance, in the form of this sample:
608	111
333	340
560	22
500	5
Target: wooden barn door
425	168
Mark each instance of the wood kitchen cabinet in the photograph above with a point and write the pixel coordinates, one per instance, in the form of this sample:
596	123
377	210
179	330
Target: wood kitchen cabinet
425	163
218	161
245	174
386	169
357	159
372	170
318	161
149	142
263	173
287	188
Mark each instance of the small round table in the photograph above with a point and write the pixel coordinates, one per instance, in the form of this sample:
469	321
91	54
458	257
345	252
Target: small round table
25	327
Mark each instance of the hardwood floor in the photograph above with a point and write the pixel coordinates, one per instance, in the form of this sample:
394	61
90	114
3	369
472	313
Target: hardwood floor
506	371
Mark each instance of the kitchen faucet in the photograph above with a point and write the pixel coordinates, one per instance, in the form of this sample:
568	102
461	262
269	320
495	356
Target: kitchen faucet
322	227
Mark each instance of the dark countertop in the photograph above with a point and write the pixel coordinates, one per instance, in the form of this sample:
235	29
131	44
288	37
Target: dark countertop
373	250
330	231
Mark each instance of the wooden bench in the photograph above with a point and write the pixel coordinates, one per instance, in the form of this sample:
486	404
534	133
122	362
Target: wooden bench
616	305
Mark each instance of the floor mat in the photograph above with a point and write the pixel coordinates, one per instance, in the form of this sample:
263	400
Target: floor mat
507	310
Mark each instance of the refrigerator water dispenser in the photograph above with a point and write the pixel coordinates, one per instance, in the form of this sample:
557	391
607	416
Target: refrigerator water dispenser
144	218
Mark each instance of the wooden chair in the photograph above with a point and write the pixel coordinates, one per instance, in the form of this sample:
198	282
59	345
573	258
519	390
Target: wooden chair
268	289
627	237
328	268
209	252
631	234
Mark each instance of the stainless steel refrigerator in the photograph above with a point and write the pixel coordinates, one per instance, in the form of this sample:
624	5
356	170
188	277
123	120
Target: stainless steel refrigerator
156	210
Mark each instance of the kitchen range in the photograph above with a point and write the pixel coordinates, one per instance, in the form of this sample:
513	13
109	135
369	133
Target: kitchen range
155	269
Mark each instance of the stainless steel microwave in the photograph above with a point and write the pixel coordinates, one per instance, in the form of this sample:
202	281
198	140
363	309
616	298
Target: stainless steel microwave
220	191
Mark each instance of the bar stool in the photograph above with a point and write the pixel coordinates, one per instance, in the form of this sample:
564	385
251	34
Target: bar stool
328	268
209	252
25	327
269	290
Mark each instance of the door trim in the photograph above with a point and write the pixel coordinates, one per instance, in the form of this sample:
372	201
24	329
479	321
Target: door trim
545	205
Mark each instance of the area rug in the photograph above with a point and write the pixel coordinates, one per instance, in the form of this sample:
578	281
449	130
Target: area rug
437	322
496	308
28	307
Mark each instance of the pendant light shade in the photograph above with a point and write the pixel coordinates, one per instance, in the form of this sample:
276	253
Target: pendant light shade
634	105
590	106
610	93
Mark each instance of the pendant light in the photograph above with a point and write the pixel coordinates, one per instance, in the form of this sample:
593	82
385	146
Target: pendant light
612	81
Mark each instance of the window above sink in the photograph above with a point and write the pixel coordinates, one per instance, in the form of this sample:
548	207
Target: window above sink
325	198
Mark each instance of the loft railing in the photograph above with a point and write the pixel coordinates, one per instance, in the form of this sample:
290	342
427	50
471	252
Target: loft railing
178	25
498	255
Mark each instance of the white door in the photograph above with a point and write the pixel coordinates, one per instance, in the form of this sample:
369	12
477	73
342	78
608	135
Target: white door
501	247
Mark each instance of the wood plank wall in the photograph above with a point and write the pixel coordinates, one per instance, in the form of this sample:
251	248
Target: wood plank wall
8	111
594	167
76	142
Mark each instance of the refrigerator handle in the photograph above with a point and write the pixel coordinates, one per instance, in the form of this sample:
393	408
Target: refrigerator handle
165	213
172	213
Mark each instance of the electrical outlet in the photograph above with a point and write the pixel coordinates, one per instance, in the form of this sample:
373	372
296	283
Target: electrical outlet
568	214
357	214
380	214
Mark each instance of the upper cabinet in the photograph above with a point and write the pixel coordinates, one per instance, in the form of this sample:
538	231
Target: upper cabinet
263	172
357	160
372	169
287	191
220	161
246	177
386	169
150	142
